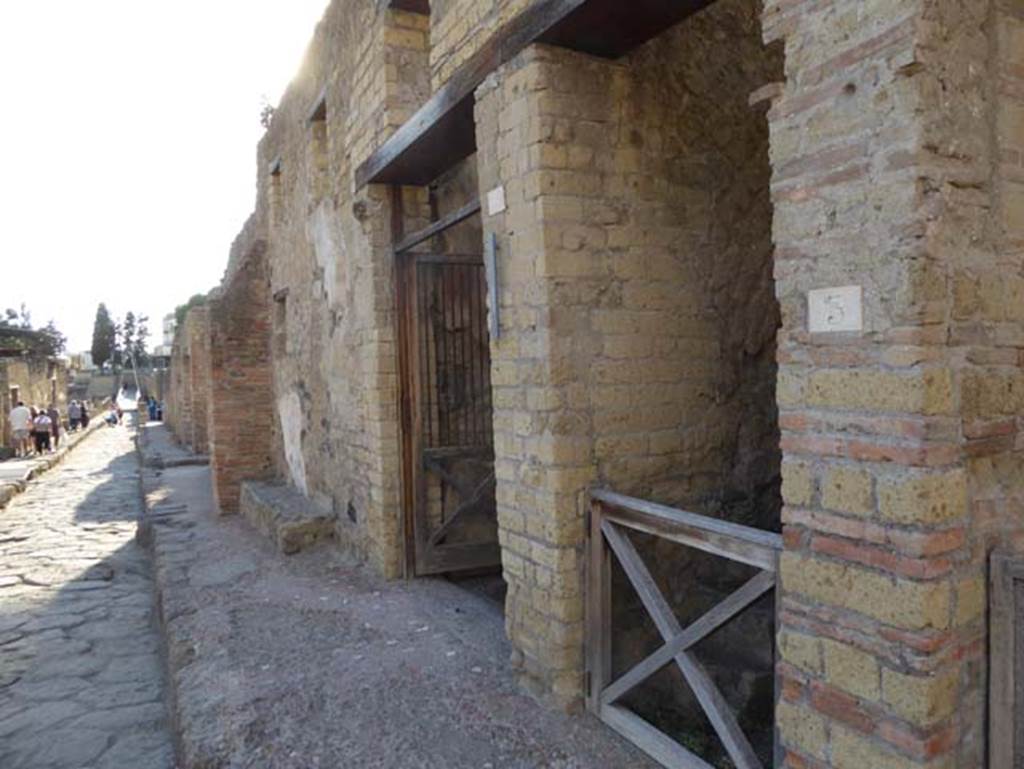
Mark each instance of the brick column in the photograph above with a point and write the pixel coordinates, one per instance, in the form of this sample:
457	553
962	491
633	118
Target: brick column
197	328
241	406
882	160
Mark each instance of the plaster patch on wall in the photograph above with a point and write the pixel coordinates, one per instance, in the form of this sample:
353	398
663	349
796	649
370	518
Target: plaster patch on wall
289	407
327	248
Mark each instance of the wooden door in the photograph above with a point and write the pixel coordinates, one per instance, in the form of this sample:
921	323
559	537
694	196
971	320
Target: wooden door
446	368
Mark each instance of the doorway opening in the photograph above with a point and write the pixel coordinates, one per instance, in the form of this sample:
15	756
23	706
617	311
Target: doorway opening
445	375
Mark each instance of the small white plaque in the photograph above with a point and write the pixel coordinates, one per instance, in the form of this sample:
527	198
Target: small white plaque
496	201
835	309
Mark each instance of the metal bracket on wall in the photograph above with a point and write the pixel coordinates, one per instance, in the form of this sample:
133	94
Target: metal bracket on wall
491	266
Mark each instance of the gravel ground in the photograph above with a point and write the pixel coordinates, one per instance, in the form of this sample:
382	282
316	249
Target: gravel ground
289	662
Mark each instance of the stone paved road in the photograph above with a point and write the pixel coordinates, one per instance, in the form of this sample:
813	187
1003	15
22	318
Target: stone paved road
81	680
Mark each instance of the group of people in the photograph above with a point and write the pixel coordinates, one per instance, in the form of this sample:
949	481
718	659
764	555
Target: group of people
36	430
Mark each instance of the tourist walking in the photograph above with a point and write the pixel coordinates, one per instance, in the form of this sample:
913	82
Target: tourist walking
55	424
21	429
74	416
84	406
42	426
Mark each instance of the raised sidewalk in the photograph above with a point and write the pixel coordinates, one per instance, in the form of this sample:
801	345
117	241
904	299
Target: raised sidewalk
308	660
15	474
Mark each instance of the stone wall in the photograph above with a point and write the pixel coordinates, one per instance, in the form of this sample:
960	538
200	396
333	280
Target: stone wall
241	411
331	270
189	399
638	317
893	165
197	331
458	28
178	408
36	380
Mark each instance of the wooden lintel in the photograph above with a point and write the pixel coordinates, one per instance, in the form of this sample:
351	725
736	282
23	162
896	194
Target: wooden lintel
413	6
442	132
442	224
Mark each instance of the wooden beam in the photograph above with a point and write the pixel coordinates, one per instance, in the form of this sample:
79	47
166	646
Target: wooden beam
442	224
708	623
654	743
612	28
598	612
442	132
744	544
413	6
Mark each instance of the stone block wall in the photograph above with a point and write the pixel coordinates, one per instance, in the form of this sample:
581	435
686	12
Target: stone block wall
36	380
638	316
190	381
335	385
197	332
892	169
178	408
458	28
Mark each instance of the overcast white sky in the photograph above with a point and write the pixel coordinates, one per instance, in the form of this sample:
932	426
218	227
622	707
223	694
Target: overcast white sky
128	133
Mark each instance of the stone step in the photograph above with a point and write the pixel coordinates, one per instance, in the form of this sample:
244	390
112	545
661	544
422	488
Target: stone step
289	519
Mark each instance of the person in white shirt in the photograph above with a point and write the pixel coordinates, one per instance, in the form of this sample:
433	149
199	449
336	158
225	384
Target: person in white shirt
21	429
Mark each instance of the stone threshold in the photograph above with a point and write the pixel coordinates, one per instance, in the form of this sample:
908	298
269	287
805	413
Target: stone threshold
36	466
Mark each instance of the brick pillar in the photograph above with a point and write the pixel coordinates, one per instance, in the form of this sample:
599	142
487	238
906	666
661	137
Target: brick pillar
241	406
542	433
882	160
197	327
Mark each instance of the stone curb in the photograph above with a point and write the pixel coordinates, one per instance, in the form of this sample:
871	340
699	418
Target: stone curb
175	648
10	489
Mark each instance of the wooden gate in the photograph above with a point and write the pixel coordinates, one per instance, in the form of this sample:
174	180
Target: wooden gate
446	381
611	516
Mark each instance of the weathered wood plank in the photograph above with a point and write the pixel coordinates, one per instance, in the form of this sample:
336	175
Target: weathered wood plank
713	619
442	559
704	689
675	516
435	228
443	131
599	612
654	743
412	6
1004	717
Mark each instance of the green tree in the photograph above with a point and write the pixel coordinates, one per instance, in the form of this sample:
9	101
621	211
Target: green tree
17	335
139	351
53	339
17	318
127	343
104	337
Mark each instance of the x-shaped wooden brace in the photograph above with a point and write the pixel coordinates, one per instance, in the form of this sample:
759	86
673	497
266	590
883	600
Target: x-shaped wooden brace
471	496
679	640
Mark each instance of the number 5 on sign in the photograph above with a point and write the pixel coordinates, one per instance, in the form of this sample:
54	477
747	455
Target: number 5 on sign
831	310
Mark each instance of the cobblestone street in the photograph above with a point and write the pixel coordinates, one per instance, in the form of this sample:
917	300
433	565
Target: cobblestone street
81	678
